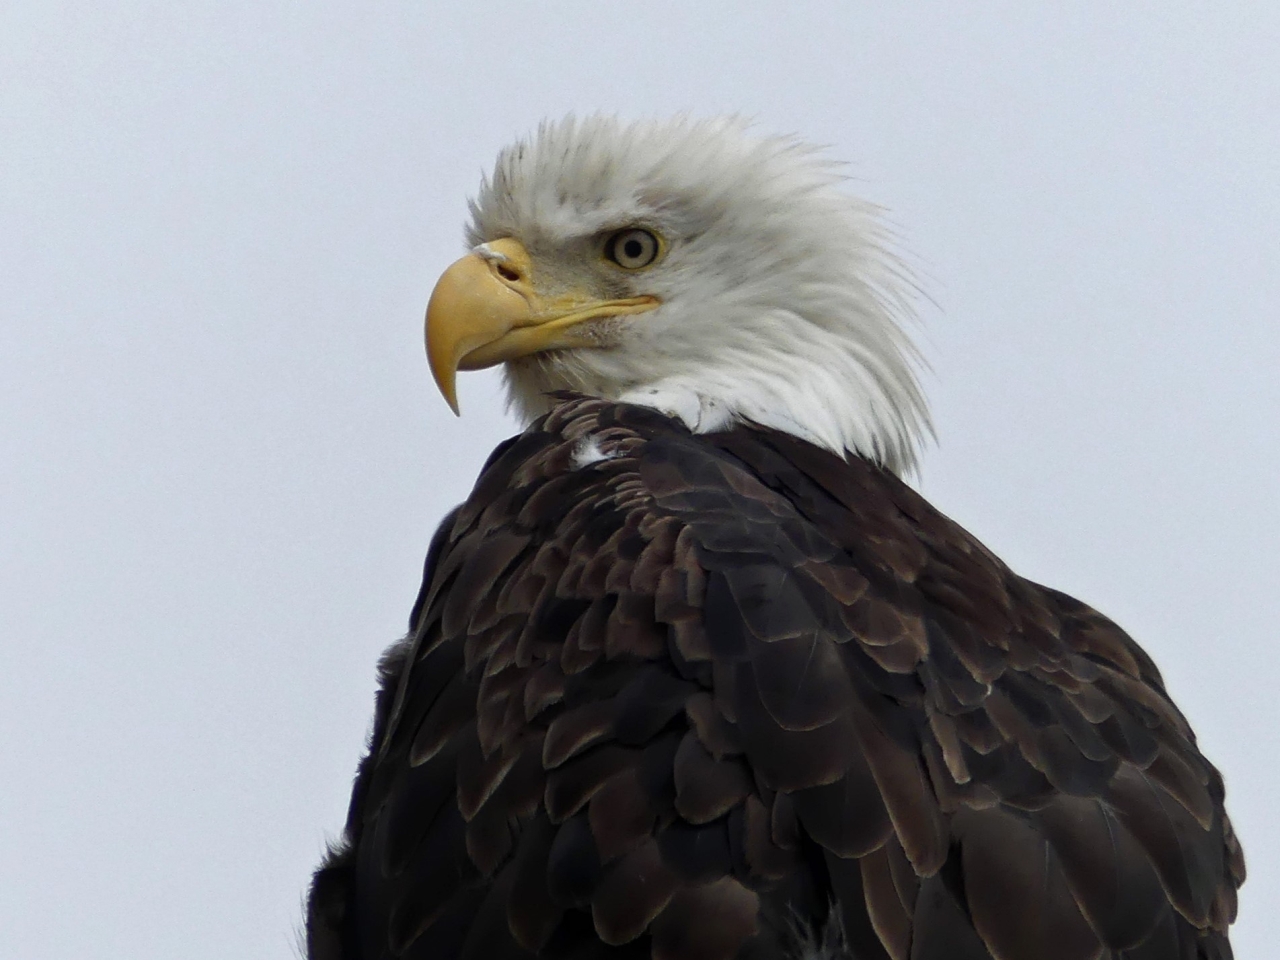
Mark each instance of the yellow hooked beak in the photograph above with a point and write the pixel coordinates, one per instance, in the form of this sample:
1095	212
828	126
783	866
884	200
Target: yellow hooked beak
486	309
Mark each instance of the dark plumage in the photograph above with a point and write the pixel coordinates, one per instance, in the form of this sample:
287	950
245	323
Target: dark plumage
701	697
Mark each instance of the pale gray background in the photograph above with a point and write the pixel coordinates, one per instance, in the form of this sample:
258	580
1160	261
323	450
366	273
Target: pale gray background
221	455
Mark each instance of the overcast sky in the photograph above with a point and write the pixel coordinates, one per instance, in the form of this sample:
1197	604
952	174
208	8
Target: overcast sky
221	454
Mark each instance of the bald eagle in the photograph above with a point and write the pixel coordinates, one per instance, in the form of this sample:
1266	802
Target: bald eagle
693	673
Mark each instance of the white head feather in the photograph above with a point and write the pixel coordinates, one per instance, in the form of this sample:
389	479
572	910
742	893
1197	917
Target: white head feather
780	303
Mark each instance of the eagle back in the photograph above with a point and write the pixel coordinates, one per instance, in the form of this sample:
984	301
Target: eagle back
731	695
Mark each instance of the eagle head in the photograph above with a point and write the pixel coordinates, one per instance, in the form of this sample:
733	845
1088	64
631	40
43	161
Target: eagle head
691	266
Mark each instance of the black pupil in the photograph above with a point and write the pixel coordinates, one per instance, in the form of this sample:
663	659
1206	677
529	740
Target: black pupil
633	249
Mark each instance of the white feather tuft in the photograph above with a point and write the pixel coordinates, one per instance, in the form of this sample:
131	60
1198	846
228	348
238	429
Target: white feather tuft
811	941
588	451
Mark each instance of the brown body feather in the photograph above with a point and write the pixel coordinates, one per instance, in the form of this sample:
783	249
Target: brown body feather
708	693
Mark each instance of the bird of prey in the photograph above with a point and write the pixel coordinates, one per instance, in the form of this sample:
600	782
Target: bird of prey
694	674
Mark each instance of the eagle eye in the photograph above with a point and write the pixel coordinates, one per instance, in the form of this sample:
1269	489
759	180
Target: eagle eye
632	248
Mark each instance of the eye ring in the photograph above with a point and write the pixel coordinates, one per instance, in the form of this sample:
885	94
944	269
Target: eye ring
633	248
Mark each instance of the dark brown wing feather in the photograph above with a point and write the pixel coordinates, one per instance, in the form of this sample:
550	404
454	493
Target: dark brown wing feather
713	695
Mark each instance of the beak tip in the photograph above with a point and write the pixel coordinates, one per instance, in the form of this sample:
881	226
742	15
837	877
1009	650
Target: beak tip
445	374
449	390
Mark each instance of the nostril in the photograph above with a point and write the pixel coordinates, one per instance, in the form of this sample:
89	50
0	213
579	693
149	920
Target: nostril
506	273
